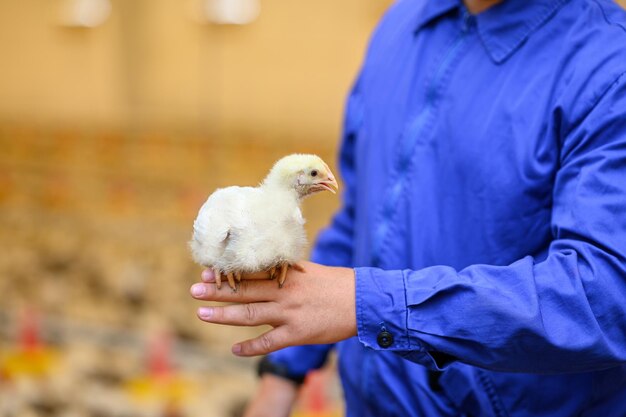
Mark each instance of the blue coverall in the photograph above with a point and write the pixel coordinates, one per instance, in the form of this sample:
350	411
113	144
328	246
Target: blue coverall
484	159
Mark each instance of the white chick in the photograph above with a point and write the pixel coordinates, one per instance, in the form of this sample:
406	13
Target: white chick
250	229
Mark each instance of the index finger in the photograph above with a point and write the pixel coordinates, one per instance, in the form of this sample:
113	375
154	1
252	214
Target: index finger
208	275
248	291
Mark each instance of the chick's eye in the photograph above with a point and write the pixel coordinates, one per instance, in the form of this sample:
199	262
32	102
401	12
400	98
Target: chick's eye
314	173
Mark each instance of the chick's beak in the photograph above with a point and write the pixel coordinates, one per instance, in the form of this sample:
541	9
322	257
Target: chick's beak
329	183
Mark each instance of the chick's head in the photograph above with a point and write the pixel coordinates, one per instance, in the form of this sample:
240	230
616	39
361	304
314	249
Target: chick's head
306	174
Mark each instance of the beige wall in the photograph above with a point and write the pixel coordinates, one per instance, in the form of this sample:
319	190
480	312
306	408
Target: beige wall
151	65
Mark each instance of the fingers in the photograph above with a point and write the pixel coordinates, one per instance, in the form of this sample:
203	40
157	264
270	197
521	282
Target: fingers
208	275
251	314
249	291
271	341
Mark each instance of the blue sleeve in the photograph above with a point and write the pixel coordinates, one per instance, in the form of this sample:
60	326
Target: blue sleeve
563	313
334	244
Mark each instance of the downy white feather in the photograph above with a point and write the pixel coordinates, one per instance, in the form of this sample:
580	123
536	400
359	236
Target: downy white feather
251	229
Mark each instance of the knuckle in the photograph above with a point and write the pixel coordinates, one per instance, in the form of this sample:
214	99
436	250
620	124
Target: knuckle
209	291
250	313
218	314
266	343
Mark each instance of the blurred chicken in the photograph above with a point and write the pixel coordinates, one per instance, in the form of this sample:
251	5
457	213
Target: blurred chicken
251	229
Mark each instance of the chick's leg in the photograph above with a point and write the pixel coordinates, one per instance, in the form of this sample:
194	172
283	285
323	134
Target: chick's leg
218	278
238	278
231	281
282	274
273	272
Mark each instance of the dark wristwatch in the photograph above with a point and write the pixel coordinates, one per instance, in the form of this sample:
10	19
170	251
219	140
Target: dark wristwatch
267	366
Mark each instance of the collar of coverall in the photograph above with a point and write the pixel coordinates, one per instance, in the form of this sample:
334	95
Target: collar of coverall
503	28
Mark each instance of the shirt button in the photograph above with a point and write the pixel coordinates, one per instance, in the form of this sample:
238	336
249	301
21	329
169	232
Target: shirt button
384	339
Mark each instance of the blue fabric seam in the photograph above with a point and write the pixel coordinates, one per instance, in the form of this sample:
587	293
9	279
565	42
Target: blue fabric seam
606	18
406	310
490	390
591	109
453	53
361	332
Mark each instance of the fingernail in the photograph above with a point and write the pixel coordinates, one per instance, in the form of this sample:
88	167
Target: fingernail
197	290
236	349
205	312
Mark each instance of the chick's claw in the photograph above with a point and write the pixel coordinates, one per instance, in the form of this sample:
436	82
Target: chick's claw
234	278
218	278
231	281
283	274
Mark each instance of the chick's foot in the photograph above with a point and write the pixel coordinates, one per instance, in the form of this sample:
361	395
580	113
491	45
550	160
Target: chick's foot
282	274
281	271
218	278
231	281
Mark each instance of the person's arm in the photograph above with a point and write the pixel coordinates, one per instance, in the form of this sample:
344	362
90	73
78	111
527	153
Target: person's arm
274	397
565	313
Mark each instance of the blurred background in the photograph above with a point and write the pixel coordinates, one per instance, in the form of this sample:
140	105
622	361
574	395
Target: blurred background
117	119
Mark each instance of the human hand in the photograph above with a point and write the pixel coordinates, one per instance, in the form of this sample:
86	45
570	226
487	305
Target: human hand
315	306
